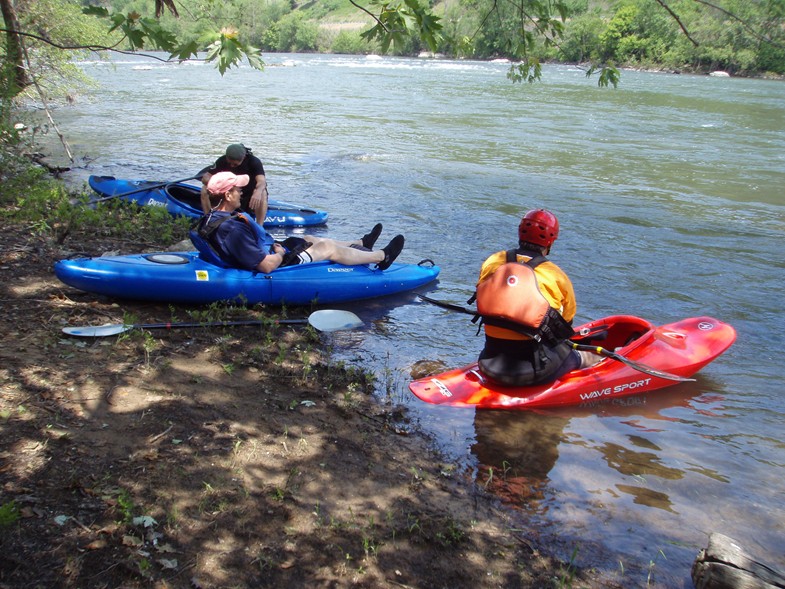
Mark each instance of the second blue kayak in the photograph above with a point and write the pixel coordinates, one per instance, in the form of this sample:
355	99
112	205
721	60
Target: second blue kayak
182	199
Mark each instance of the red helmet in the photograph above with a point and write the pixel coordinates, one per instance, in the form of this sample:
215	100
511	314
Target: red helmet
540	227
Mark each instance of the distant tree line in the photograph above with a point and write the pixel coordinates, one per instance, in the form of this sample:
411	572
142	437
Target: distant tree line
745	37
40	38
739	36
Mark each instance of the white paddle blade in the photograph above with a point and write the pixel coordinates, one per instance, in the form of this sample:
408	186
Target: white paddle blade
96	330
333	320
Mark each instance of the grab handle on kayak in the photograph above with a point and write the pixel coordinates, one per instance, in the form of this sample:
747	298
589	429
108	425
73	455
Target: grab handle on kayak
598	332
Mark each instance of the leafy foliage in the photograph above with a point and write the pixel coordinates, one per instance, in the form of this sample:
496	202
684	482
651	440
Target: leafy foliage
32	197
227	50
292	33
137	32
608	76
528	70
9	514
49	25
351	43
397	21
136	29
735	35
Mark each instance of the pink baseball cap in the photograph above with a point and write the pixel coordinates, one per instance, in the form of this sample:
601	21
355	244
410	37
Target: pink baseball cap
223	182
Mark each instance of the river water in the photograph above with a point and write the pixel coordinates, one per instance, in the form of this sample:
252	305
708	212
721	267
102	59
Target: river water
669	191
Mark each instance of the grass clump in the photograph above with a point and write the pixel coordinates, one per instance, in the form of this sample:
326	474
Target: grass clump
44	205
9	514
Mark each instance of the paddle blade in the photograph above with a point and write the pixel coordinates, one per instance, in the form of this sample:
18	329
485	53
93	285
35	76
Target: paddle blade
96	330
333	320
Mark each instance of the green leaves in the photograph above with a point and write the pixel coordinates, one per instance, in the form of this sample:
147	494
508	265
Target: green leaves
228	51
9	514
397	21
609	75
138	32
425	23
529	70
390	27
98	11
254	57
184	51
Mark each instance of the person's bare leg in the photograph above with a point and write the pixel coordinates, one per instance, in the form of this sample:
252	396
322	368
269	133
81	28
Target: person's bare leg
589	359
260	212
314	240
326	249
339	251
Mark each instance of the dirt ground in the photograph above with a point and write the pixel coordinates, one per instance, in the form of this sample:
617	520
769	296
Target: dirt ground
234	457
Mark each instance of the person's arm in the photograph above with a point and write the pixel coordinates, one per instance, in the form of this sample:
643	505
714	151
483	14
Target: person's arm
569	306
258	202
490	265
204	197
271	261
209	171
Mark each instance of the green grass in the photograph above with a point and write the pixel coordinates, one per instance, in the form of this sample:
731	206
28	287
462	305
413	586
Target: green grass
45	207
9	514
335	11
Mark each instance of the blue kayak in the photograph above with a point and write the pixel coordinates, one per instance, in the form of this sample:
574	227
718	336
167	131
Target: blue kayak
184	277
182	199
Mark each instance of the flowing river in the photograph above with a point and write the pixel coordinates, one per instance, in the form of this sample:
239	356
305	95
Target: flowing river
670	194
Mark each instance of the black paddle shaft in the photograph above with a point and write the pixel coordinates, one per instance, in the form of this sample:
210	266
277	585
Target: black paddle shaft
142	189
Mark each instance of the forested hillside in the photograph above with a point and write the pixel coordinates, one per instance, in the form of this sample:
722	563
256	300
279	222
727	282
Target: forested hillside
738	36
741	37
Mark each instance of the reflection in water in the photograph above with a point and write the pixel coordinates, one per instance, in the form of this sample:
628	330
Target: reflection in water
632	463
647	497
640	464
516	450
642	442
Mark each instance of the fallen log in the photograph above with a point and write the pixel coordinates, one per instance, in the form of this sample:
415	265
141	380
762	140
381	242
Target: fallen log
723	564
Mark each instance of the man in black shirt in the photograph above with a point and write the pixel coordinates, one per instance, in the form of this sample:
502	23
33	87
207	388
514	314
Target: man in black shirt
239	160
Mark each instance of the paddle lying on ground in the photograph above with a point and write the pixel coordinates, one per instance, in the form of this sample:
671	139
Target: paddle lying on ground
580	347
142	189
323	320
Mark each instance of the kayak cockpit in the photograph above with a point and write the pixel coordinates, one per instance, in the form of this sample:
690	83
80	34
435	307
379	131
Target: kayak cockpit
187	195
614	332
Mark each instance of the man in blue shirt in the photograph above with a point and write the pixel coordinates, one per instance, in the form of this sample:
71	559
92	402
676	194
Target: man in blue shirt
241	242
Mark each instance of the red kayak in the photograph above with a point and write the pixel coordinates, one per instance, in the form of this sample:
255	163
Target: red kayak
640	357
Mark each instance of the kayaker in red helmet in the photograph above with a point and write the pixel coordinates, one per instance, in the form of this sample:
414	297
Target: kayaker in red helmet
527	309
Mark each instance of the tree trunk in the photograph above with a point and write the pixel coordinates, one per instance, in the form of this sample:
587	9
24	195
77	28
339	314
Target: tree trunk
14	54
